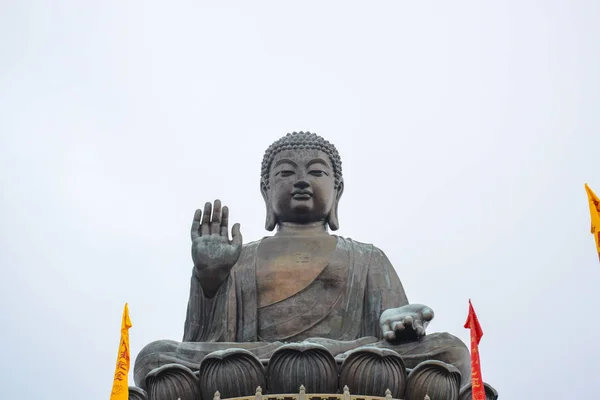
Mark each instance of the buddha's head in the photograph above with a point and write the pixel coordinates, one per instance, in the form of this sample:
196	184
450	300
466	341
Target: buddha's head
301	181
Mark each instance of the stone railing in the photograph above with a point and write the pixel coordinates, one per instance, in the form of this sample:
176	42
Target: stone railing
302	395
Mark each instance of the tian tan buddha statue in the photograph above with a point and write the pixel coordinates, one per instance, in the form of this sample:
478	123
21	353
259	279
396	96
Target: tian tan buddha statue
301	307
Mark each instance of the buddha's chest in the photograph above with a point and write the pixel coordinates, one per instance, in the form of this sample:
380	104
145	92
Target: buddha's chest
286	266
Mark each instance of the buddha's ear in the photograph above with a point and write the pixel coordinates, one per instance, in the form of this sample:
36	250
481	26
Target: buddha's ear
271	220
333	220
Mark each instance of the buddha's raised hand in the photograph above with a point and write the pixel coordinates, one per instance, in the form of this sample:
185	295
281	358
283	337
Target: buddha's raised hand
212	252
406	322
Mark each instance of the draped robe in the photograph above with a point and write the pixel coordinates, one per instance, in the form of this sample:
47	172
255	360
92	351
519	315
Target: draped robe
344	302
339	308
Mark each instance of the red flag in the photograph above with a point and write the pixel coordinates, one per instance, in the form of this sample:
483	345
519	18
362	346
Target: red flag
476	334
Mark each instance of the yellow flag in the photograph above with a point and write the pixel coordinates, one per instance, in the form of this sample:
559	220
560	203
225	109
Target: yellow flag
120	389
595	216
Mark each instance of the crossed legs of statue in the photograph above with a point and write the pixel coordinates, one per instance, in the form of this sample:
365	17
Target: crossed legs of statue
438	355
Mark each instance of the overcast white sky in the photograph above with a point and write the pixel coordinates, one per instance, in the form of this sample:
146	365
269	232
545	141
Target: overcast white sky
467	130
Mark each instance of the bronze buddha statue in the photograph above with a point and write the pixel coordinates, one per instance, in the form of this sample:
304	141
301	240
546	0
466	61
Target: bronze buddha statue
302	288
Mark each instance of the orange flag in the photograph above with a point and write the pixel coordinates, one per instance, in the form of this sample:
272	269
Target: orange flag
472	323
594	203
120	389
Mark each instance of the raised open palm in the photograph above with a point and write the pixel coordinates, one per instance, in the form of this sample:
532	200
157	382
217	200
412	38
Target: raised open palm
212	252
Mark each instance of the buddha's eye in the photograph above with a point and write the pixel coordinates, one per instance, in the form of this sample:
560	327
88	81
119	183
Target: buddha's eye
285	173
317	172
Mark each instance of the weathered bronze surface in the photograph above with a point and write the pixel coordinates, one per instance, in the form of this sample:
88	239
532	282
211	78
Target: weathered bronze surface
216	370
368	369
307	364
303	285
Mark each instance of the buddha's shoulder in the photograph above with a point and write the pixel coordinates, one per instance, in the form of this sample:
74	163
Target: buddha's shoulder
253	243
251	246
358	245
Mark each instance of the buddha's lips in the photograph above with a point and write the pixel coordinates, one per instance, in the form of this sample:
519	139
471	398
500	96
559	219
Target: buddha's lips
302	194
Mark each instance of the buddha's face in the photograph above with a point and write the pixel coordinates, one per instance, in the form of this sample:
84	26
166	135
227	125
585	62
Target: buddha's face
301	186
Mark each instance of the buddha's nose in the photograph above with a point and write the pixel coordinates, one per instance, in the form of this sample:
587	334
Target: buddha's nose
301	184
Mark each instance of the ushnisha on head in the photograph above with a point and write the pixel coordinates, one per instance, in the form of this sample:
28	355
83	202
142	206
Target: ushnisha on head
301	181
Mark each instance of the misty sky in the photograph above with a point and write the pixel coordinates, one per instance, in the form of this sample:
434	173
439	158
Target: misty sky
467	130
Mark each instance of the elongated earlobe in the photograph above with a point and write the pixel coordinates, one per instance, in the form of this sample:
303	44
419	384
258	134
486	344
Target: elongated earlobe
271	220
333	220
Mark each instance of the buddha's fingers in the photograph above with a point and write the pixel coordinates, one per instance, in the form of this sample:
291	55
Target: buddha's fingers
236	235
205	230
389	335
195	233
418	327
225	222
215	225
401	325
427	314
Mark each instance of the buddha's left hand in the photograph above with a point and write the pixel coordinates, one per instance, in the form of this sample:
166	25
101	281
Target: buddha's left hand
406	322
